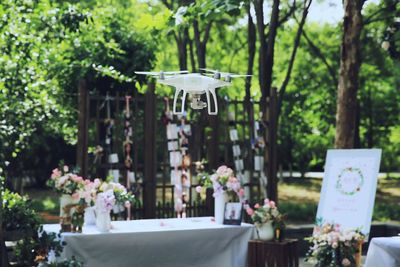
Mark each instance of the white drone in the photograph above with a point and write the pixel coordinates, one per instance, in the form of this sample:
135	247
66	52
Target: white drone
194	84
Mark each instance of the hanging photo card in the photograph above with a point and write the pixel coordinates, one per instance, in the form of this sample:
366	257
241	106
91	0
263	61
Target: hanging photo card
175	158
131	177
233	134
172	145
115	175
239	166
349	187
187	130
113	158
258	163
176	177
236	150
172	131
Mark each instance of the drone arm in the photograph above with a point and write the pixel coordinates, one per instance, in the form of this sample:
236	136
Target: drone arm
177	92
215	112
183	101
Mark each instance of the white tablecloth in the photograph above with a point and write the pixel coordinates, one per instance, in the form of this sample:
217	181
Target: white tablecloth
163	242
384	252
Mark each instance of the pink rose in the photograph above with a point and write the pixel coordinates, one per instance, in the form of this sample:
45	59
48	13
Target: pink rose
198	189
221	169
272	204
65	168
96	182
75	195
346	262
256	206
241	192
250	211
55	173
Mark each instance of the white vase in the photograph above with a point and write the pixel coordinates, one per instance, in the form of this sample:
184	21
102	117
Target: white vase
90	216
65	200
219	207
103	221
265	231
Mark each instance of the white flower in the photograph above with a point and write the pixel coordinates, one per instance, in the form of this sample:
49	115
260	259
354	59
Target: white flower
385	45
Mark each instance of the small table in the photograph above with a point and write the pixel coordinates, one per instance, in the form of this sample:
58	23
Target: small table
195	242
273	253
384	251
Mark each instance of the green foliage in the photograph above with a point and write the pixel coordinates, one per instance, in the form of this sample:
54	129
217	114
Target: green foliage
64	263
18	213
32	250
46	47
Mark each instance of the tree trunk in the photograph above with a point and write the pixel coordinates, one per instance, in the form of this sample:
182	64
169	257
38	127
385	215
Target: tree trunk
251	39
348	75
266	61
181	42
269	60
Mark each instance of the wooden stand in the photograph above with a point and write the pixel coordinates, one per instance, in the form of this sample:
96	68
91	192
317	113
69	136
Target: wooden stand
273	253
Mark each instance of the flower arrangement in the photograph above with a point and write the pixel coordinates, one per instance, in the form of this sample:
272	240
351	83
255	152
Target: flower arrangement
105	201
223	180
265	213
333	247
121	195
84	191
65	182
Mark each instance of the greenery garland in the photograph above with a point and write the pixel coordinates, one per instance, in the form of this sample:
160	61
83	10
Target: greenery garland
339	182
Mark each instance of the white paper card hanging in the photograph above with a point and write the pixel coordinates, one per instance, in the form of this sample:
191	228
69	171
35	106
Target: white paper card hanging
187	129
231	116
172	131
172	145
233	134
114	174
131	177
113	158
239	166
176	177
236	150
175	158
258	163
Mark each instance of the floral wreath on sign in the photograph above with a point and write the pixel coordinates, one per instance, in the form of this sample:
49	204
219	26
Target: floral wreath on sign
346	171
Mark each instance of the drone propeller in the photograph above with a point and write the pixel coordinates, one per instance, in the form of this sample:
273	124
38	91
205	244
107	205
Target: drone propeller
226	75
161	74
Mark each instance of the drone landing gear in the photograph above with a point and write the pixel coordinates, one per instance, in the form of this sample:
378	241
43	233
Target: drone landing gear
177	92
212	91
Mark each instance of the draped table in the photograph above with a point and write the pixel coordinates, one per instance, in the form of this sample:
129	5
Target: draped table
160	242
384	251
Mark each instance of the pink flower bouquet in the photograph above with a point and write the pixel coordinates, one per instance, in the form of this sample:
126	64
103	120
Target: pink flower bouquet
223	180
268	212
64	181
334	247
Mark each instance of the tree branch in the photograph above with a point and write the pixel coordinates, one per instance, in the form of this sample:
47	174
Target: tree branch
207	33
318	53
296	44
288	14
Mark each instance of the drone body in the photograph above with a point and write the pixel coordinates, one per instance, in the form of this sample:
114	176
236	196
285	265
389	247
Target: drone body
194	84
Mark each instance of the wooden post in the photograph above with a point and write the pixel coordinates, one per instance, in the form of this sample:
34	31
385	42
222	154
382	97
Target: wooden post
213	142
149	181
83	124
358	255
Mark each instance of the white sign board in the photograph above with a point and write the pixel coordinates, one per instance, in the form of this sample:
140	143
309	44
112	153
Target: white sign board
349	187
